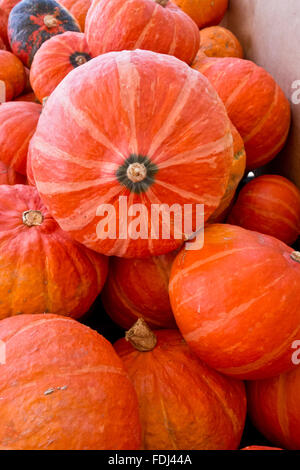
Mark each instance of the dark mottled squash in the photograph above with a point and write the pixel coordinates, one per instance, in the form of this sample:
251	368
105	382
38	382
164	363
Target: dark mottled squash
32	22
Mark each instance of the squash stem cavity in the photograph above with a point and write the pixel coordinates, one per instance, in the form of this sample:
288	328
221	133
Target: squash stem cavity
32	218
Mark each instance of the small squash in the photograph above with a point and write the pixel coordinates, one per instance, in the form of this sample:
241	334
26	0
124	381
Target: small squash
63	387
78	8
139	288
12	75
204	12
155	25
217	41
255	104
42	269
236	301
18	121
269	204
32	22
55	59
183	403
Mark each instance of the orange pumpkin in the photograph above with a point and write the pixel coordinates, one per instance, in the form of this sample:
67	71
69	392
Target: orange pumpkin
18	121
183	404
5	7
237	173
269	204
78	8
255	104
204	12
155	25
43	270
12	73
63	387
274	408
236	301
55	59
139	288
217	41
154	146
27	97
9	176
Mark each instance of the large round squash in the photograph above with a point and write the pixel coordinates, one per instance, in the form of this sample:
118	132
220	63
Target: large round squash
236	174
18	121
13	74
217	41
132	127
78	8
55	59
5	7
63	387
204	12
269	204
156	25
255	104
236	301
139	288
183	403
32	22
275	410
42	269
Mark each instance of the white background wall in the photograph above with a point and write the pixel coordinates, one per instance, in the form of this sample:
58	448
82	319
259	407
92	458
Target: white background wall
269	31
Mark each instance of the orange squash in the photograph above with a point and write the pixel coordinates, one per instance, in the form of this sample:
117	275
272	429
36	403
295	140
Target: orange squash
78	8
55	59
237	172
269	204
274	407
42	269
153	147
204	12
183	403
236	301
155	25
217	41
139	288
255	104
63	387
12	73
18	121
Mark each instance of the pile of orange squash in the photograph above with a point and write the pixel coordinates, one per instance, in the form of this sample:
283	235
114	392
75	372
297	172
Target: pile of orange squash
151	104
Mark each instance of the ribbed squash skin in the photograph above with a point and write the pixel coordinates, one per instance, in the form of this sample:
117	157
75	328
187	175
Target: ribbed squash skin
28	27
9	176
139	288
141	24
235	301
12	73
59	387
274	408
269	204
183	403
255	104
43	270
182	133
237	172
55	59
78	8
18	121
217	41
204	12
